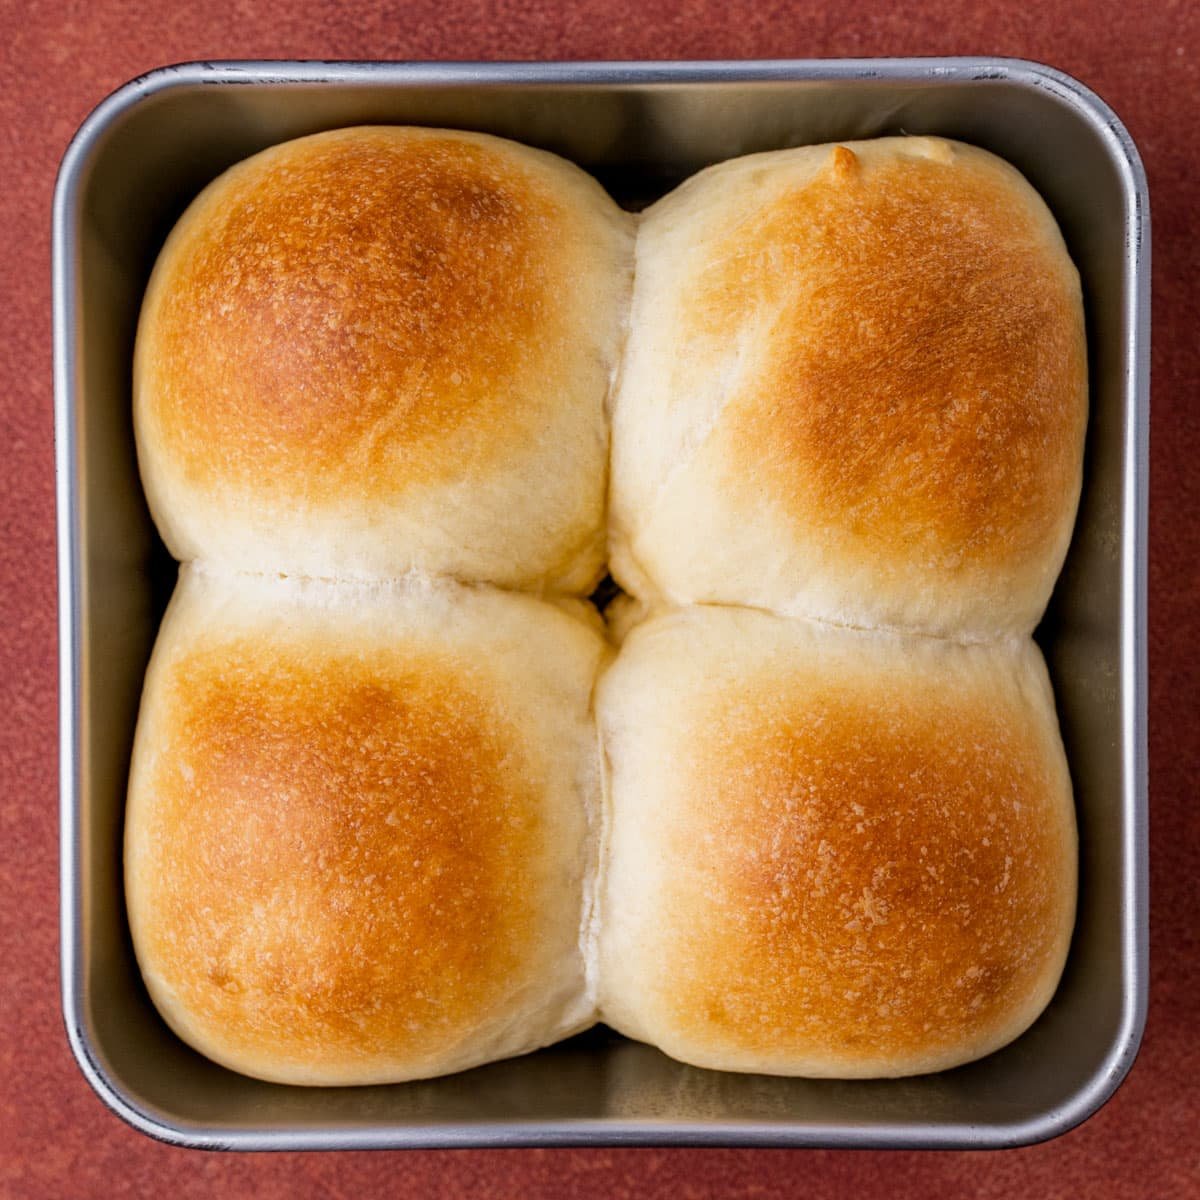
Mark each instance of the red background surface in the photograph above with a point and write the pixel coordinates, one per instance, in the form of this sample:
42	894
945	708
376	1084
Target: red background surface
59	59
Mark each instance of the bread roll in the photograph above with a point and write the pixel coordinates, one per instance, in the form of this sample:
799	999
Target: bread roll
854	389
830	853
361	830
382	349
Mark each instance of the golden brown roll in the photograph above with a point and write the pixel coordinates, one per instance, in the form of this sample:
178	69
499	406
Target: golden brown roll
362	828
382	349
829	852
854	389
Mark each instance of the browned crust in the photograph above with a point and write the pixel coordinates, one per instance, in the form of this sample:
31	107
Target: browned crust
334	310
335	862
923	397
878	878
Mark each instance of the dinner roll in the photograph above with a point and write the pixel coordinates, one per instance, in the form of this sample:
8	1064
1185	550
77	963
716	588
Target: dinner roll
361	830
854	389
382	349
831	852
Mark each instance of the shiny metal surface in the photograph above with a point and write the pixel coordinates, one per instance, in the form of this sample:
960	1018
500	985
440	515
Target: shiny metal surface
131	169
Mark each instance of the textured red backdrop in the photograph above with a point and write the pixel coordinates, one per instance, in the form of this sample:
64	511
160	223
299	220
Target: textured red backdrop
58	59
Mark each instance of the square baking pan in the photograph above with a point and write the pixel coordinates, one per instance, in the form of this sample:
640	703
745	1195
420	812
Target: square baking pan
641	128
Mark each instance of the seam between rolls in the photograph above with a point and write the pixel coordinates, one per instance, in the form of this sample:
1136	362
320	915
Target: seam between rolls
218	568
591	913
615	381
900	631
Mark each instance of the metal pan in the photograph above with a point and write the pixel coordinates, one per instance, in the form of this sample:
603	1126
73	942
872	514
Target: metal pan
641	127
